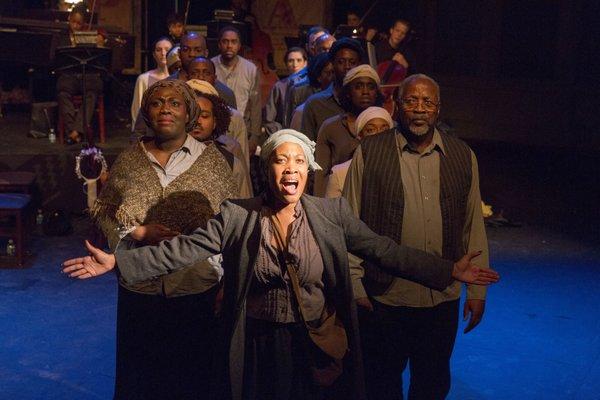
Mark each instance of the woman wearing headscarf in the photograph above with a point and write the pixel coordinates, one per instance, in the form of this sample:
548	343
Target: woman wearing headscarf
337	138
286	271
160	187
370	122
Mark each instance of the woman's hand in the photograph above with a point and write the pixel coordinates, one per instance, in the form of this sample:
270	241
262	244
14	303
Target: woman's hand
152	234
467	272
97	263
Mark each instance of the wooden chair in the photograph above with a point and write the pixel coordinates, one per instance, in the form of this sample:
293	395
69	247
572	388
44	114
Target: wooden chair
77	101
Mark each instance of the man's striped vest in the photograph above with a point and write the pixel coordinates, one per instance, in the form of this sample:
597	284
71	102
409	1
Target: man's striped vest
382	197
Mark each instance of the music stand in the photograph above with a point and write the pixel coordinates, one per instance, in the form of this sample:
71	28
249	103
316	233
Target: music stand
80	58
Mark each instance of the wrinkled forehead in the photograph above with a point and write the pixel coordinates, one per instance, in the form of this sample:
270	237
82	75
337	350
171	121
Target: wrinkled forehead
166	91
422	88
288	149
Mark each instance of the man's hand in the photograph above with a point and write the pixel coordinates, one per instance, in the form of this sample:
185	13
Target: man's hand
399	58
476	309
97	263
152	234
365	303
467	272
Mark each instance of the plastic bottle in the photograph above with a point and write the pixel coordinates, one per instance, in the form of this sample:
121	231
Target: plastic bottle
39	218
52	136
10	248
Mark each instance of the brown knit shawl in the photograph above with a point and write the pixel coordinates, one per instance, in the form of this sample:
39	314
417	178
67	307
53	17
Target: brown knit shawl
134	196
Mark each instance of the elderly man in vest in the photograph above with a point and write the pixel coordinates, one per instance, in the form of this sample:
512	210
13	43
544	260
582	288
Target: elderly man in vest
421	188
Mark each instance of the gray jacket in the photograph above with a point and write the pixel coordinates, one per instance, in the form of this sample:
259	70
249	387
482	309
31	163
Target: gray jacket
235	233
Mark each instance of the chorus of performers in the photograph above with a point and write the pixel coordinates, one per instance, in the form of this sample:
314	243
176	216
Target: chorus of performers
346	267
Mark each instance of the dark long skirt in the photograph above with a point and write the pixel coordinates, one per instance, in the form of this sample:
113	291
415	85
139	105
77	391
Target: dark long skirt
164	345
278	360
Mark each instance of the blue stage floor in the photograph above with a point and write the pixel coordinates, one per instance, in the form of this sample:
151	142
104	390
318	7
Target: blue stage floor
540	338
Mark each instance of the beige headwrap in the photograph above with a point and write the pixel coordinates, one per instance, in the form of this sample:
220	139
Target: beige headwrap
202	87
362	71
372	113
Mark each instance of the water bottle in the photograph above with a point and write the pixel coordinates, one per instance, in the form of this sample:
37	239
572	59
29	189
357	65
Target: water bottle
39	218
10	248
52	136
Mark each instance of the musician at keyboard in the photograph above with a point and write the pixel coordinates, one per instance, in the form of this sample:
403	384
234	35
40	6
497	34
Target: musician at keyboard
69	83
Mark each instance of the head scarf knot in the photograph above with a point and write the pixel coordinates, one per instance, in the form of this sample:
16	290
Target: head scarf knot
189	98
290	136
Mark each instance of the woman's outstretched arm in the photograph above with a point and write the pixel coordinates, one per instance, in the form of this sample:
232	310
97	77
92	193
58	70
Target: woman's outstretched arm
406	262
150	261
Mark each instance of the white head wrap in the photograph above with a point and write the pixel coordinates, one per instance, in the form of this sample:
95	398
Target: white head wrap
290	136
362	71
372	113
202	87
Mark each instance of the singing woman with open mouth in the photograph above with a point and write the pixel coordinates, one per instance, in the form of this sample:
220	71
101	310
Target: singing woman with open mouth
289	326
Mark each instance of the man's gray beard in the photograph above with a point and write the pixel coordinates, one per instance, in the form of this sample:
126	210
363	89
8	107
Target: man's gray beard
420	131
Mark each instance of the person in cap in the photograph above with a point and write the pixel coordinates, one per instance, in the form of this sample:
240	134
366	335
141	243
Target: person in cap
162	186
344	54
213	124
337	137
370	122
286	271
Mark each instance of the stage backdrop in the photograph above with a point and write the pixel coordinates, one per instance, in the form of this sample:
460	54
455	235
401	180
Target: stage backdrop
281	18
